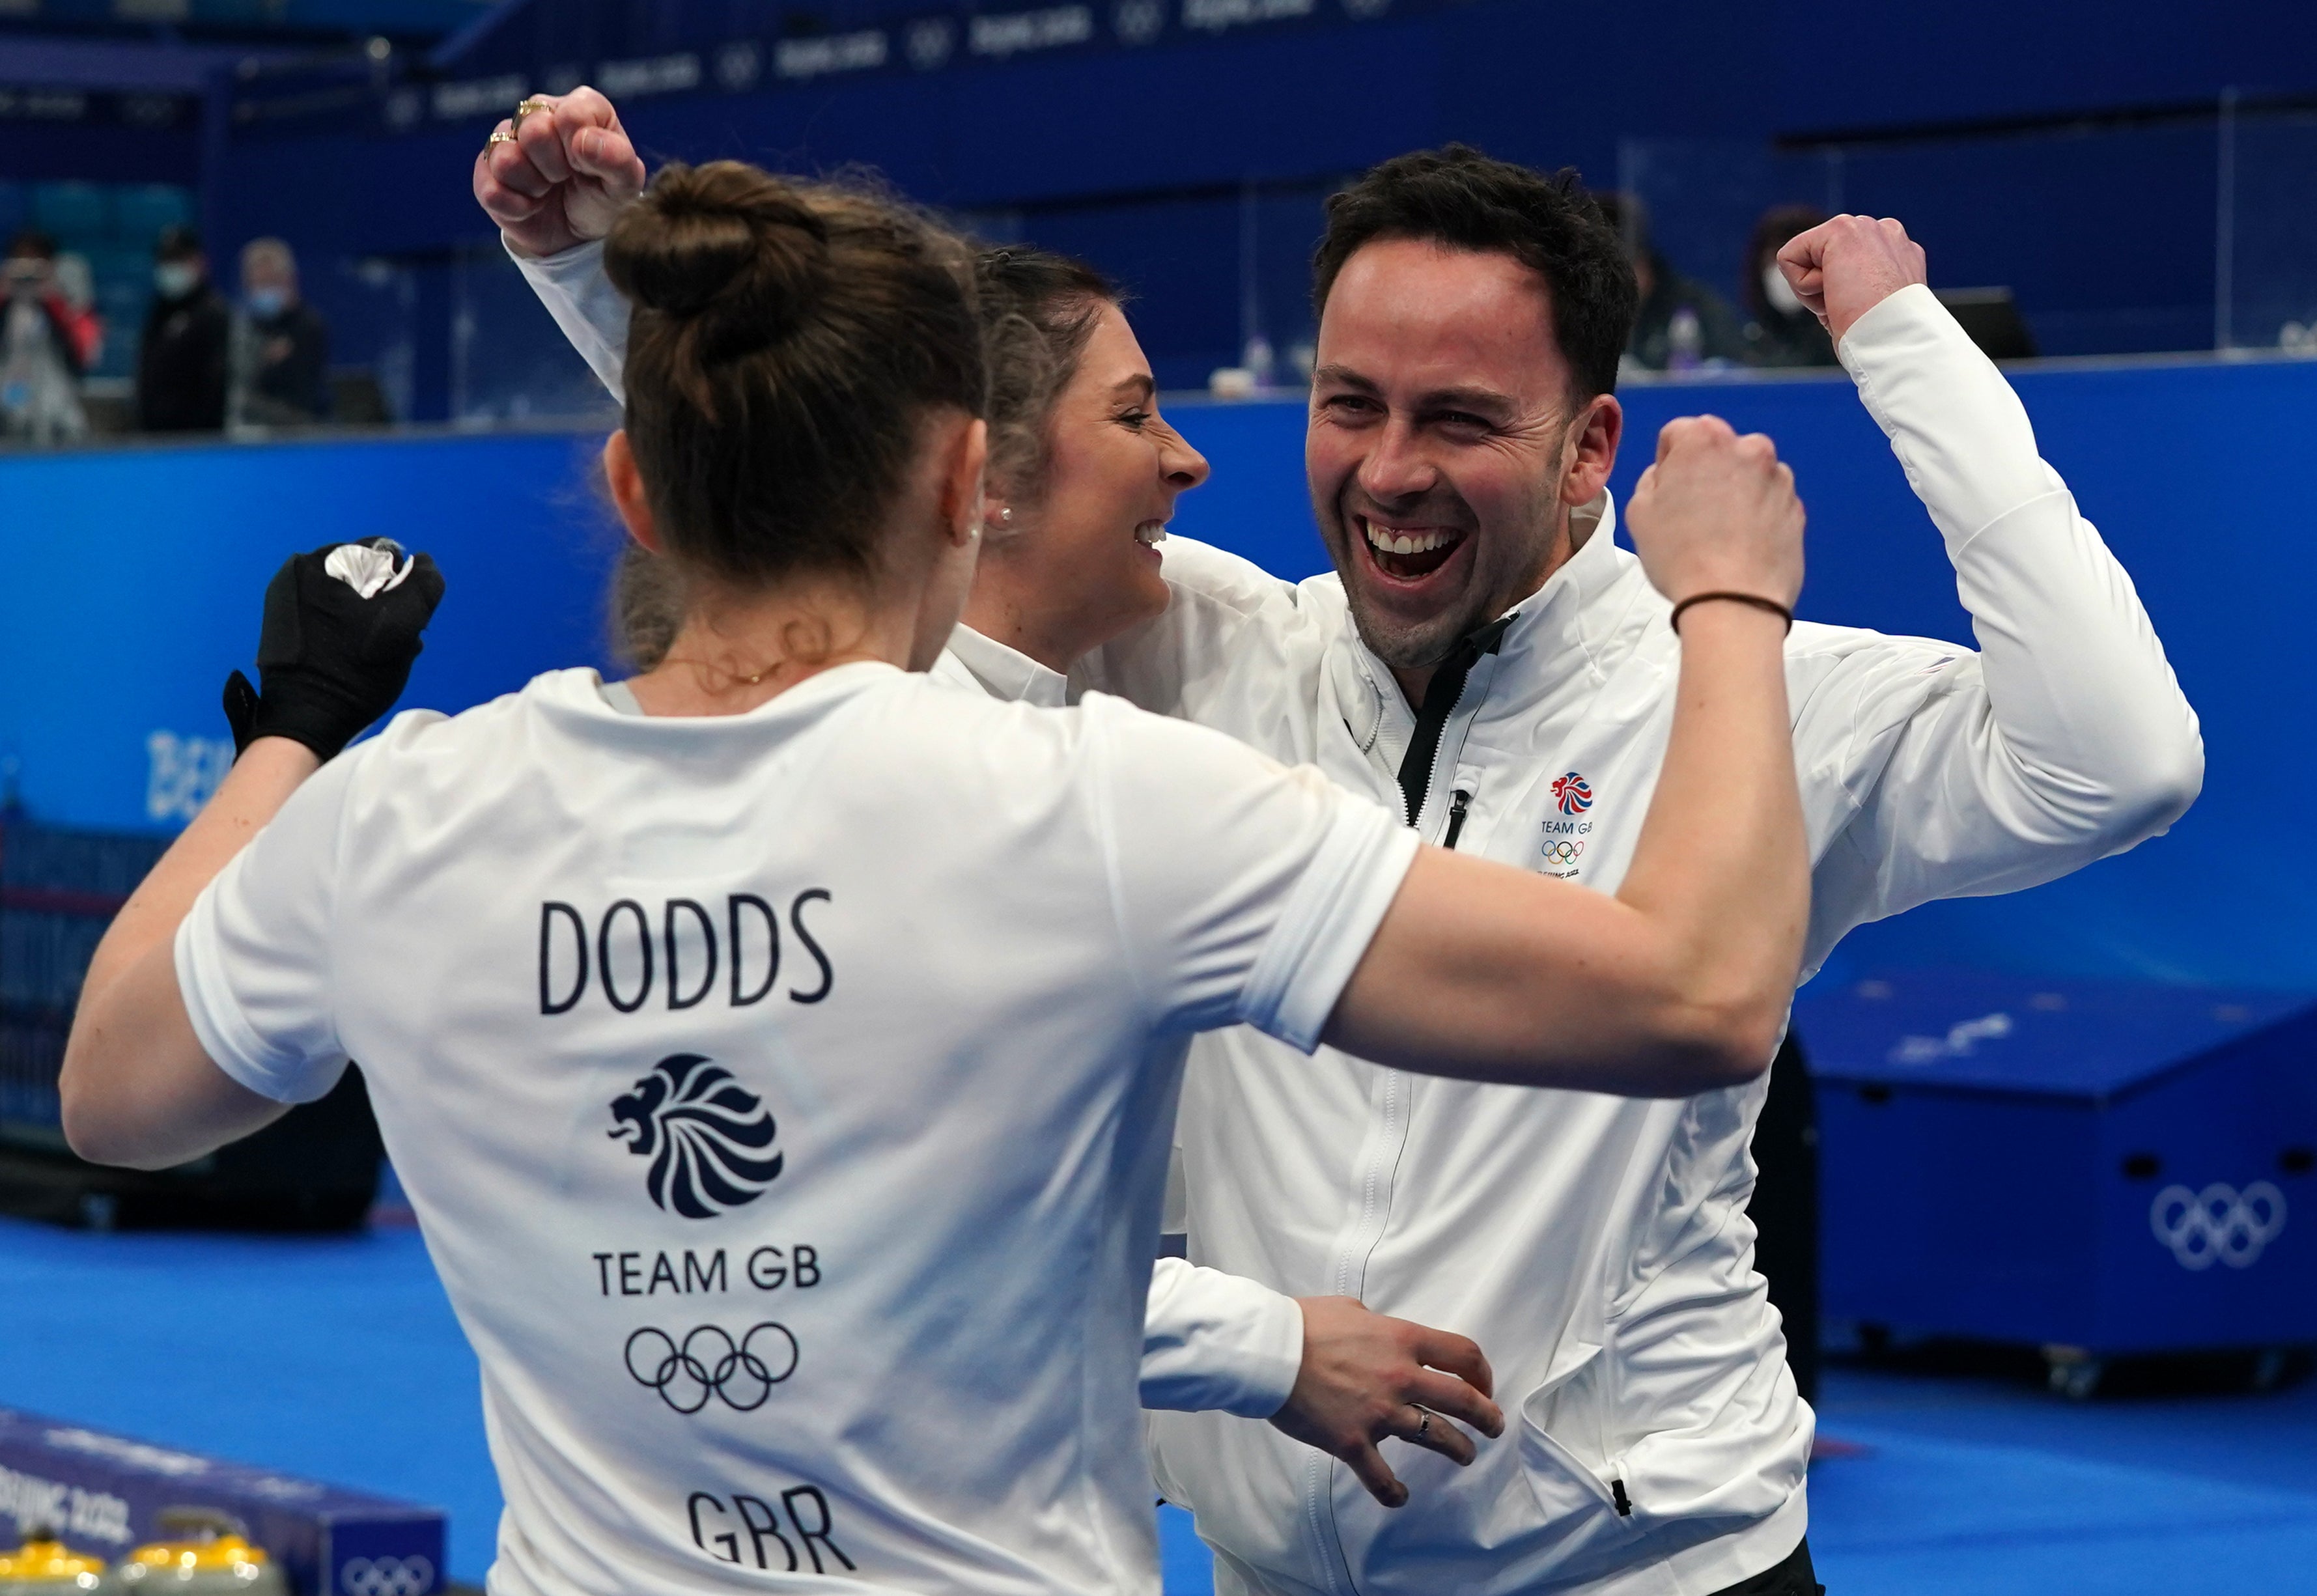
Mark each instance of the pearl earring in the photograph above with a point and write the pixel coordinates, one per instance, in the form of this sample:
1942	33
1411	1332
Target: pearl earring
1006	515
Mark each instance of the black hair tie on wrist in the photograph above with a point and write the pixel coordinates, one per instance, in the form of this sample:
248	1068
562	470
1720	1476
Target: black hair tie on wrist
1757	600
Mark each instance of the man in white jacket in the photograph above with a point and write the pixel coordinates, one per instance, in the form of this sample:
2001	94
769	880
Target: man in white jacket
1486	657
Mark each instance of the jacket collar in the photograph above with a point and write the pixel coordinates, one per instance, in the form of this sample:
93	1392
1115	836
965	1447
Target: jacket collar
1000	672
1568	623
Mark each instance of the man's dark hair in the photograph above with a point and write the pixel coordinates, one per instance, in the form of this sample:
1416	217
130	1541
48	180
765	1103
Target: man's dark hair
33	245
177	243
1466	200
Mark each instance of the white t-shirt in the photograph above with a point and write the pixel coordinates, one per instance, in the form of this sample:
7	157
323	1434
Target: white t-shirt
785	1097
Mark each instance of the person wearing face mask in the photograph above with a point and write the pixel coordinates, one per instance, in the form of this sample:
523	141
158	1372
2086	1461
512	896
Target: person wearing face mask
1084	472
280	345
1682	326
1780	330
181	363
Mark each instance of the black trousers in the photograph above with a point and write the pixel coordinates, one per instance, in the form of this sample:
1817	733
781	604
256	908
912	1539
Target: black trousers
1792	1577
1784	1208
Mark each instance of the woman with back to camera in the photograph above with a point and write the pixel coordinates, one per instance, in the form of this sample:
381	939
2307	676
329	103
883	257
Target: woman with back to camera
880	1090
1083	476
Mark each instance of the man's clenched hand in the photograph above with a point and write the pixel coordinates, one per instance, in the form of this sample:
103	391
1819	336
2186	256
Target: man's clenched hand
1366	1377
565	178
1844	268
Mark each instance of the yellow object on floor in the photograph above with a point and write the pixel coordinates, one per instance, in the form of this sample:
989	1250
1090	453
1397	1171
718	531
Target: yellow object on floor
45	1566
212	1558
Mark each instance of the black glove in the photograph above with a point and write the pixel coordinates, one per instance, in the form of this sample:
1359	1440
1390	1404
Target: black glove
331	661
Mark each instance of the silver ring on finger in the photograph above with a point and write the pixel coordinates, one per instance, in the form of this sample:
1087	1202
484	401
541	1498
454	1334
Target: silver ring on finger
1423	1423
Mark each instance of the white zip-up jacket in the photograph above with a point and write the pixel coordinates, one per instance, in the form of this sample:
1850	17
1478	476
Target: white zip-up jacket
1598	1247
1210	1340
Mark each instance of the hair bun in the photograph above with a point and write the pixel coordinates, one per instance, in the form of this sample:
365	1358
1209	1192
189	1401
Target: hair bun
724	237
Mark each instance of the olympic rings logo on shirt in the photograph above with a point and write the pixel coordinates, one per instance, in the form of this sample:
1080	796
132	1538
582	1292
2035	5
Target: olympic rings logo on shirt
742	1373
387	1576
2220	1222
1562	850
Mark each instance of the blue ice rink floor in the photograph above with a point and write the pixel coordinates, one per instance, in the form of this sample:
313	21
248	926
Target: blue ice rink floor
339	1359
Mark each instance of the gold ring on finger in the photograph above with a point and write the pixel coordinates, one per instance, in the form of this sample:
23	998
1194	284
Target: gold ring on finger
502	136
535	102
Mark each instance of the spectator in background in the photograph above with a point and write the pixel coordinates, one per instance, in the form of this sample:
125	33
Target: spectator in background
181	365
1683	323
280	345
46	343
1781	330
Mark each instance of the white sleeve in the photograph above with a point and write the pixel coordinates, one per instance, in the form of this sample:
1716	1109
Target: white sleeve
591	313
1216	1343
1245	892
2066	738
1220	607
252	954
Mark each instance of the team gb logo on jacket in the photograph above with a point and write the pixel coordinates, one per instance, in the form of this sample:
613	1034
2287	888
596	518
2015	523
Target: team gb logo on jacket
1571	795
709	1137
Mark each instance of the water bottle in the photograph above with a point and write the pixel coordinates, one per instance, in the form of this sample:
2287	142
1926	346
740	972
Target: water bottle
1685	341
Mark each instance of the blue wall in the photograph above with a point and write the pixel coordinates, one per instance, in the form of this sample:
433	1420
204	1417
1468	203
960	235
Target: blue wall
135	579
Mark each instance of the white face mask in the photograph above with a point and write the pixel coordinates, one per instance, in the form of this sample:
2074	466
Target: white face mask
175	278
266	303
1778	291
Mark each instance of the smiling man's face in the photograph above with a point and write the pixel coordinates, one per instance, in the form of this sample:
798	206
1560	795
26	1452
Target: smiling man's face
1447	444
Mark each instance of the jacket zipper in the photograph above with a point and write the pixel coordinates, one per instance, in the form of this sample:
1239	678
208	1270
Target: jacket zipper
1441	696
1458	802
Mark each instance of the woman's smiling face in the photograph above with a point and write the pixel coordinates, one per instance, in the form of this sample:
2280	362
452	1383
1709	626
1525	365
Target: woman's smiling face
1114	470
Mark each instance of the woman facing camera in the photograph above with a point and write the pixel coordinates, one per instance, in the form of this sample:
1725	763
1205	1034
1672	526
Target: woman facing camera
850	1003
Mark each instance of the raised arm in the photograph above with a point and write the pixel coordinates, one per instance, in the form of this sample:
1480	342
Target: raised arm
341	632
554	180
2066	738
1680	982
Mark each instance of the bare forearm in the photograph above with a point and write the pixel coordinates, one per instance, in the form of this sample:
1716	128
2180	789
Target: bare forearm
1723	844
260	782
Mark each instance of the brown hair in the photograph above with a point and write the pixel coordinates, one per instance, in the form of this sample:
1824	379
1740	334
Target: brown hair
1465	200
788	338
1037	310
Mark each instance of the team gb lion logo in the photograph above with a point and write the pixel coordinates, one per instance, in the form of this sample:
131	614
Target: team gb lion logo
705	1133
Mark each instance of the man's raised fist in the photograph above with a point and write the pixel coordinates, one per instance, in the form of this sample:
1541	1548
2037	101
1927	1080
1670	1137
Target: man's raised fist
1844	268
562	178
